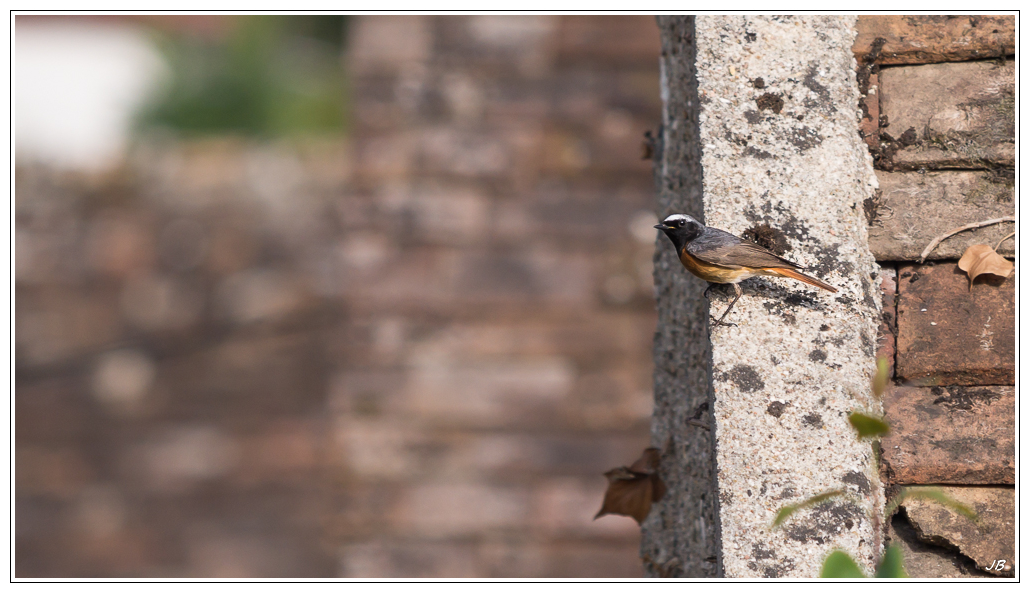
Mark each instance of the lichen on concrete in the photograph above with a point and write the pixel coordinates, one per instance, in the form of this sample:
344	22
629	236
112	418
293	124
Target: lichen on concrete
786	153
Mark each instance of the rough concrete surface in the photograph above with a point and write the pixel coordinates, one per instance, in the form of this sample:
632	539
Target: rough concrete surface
785	151
950	435
910	39
681	537
962	115
913	208
952	334
989	542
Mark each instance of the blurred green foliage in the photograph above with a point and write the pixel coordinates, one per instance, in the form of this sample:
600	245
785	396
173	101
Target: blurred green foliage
891	564
273	76
838	565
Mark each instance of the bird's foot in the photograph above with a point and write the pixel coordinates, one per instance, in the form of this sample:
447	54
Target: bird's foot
717	322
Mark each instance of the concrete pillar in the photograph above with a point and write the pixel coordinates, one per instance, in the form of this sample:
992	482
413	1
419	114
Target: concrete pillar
777	127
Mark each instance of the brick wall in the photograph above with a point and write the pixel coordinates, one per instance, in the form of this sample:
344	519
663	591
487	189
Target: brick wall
500	185
939	108
413	353
409	354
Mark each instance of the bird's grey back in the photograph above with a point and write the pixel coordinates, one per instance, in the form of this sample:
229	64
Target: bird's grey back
718	247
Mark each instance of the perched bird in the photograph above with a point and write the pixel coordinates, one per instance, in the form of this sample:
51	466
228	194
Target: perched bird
722	258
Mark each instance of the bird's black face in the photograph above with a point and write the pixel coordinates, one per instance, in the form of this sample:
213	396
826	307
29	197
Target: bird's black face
681	229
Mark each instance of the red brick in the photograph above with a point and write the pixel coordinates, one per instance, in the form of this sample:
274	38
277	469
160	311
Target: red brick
887	340
616	145
962	115
244	377
120	243
374	449
214	553
449	508
408	559
592	560
925	560
486	392
950	435
54	411
443	240
564	507
56	324
444	214
524	42
385	157
990	539
525	276
215	167
611	40
284	451
359	510
931	38
616	398
914	208
449	151
951	335
49	471
504	557
390	42
869	125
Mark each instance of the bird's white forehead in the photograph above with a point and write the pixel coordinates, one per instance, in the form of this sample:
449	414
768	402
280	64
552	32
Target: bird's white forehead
673	217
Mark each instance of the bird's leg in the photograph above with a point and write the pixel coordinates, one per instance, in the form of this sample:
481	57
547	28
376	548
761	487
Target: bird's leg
736	288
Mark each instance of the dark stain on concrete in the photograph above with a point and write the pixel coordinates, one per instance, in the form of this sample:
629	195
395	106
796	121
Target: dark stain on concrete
830	260
757	153
745	377
814	420
821	91
825	521
767	236
760	552
804	138
770	102
775	409
858	479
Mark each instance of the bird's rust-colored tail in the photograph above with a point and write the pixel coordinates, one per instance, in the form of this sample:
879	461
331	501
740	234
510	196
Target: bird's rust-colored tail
788	273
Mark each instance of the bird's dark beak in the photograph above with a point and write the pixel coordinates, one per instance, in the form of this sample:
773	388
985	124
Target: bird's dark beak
662	227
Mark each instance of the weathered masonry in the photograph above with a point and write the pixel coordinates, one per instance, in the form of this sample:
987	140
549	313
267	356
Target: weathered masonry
763	127
939	99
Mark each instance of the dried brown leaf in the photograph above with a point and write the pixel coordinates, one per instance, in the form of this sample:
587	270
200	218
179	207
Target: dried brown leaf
632	490
981	259
648	462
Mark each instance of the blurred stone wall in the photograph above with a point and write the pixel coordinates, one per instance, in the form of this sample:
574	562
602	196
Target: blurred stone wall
408	354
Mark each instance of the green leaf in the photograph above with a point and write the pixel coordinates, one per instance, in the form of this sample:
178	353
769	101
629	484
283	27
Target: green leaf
790	509
892	565
839	565
934	494
868	426
881	377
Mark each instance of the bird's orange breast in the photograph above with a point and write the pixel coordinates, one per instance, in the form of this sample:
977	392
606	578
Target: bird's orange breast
712	273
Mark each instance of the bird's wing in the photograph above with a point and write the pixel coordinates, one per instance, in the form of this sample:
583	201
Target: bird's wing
730	251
